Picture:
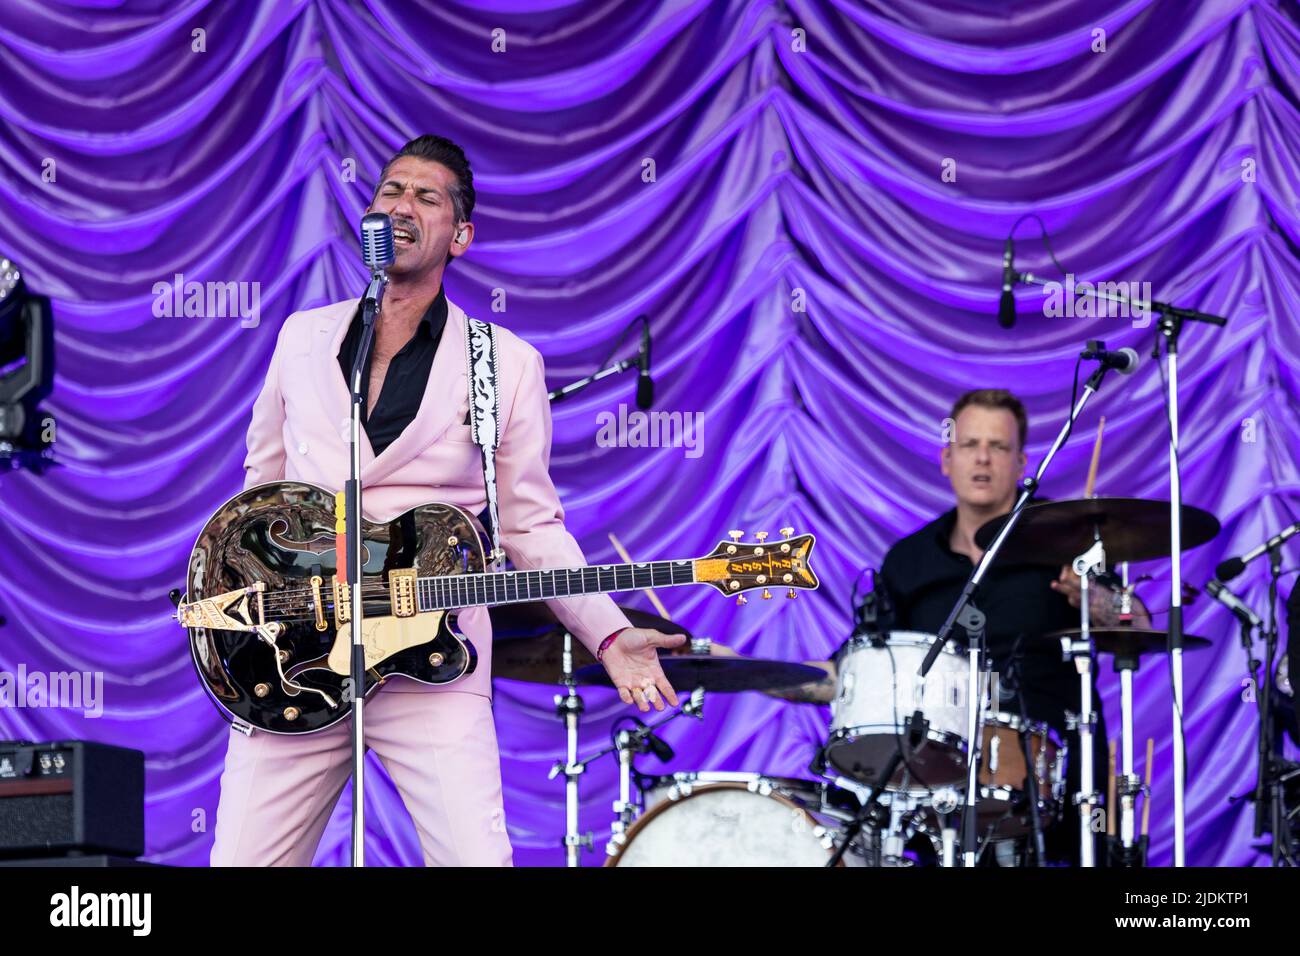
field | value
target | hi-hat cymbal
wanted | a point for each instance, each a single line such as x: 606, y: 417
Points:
x: 528, y: 641
x: 1131, y: 529
x: 1132, y: 641
x: 719, y: 674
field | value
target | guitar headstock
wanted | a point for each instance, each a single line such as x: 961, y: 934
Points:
x: 736, y: 566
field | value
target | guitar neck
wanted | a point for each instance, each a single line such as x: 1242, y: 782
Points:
x: 445, y: 592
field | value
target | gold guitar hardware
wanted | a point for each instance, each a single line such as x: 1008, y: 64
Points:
x: 317, y: 603
x: 401, y: 590
x: 342, y: 602
x: 231, y: 611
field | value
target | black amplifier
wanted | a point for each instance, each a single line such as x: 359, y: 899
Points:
x: 69, y: 797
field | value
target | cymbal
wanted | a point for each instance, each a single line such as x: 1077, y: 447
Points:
x: 528, y: 641
x: 1131, y: 529
x: 719, y: 674
x: 1132, y: 641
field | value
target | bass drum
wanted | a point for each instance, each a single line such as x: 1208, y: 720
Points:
x: 736, y: 819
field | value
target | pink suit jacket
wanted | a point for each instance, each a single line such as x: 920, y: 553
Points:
x: 300, y: 432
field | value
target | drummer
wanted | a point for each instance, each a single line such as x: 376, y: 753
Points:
x: 925, y: 572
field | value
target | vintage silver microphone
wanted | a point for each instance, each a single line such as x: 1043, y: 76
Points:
x: 378, y: 253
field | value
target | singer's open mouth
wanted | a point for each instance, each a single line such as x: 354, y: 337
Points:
x: 403, y: 235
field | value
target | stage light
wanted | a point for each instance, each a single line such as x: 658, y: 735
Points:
x: 26, y: 369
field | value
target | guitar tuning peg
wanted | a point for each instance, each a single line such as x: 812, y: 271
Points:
x: 790, y: 594
x: 735, y: 535
x: 767, y: 595
x: 786, y: 532
x: 761, y: 536
x: 741, y: 600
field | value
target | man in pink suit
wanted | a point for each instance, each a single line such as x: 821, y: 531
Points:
x: 437, y: 743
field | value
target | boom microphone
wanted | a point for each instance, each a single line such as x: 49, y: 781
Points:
x: 1123, y: 360
x: 1236, y: 605
x: 1007, y: 304
x: 645, y: 386
x: 1232, y: 567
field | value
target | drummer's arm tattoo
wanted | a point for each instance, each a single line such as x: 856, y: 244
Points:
x: 815, y: 692
x: 1106, y: 611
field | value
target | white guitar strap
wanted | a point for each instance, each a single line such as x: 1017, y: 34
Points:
x: 485, y: 417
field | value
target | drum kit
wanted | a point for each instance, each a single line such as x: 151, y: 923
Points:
x: 892, y: 773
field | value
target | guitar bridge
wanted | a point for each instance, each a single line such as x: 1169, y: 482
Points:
x: 342, y: 602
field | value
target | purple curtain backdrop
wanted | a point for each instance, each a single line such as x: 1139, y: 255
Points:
x: 820, y: 291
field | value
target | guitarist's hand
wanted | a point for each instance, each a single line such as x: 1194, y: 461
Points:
x: 632, y: 662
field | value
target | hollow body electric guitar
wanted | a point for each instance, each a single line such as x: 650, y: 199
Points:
x: 268, y: 614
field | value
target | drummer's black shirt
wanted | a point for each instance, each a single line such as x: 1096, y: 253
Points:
x: 924, y: 578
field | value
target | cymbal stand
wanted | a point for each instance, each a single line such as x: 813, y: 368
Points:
x: 627, y: 744
x: 1129, y: 784
x: 1080, y: 651
x: 569, y: 707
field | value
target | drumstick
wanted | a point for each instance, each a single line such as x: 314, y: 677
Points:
x: 1096, y: 460
x: 1110, y: 794
x: 654, y: 598
x: 1146, y: 800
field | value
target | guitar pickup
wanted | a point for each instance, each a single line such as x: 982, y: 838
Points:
x: 401, y: 591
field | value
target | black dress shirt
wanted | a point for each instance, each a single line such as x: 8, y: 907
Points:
x: 406, y: 379
x: 924, y: 578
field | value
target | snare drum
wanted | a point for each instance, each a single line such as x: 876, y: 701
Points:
x: 877, y: 690
x: 732, y: 819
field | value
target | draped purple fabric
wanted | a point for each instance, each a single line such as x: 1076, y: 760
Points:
x: 809, y: 199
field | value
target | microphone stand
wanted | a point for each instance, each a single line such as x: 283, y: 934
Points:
x: 560, y: 394
x: 572, y: 388
x: 1169, y: 327
x: 977, y: 575
x: 370, y: 308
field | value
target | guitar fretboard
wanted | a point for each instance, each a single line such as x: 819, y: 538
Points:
x: 509, y: 587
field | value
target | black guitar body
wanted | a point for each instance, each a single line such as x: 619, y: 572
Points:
x: 282, y: 535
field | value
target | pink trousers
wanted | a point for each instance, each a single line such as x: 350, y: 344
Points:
x: 440, y: 748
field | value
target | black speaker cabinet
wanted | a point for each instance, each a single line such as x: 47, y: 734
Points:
x: 70, y: 797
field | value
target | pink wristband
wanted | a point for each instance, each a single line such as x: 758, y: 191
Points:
x: 605, y: 644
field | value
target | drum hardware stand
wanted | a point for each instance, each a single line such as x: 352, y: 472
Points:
x: 1270, y: 805
x: 1032, y: 780
x: 870, y: 815
x: 1128, y: 850
x: 627, y: 744
x: 972, y: 621
x: 569, y: 707
x: 990, y: 555
x: 944, y: 801
x: 1080, y: 651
